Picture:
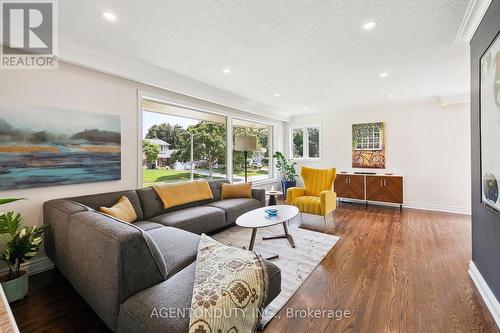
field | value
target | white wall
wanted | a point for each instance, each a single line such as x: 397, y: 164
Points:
x: 76, y: 88
x: 427, y: 143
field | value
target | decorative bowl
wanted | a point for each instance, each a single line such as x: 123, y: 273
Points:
x: 272, y: 212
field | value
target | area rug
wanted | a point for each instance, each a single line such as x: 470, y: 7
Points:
x: 296, y: 264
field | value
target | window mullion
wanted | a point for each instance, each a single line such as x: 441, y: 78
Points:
x: 229, y: 148
x: 305, y: 142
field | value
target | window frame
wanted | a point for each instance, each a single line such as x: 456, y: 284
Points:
x: 305, y: 144
x: 273, y: 139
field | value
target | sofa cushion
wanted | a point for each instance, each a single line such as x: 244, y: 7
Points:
x: 148, y: 310
x: 95, y: 201
x: 178, y: 247
x: 235, y: 207
x: 147, y: 225
x: 196, y: 219
x: 274, y: 285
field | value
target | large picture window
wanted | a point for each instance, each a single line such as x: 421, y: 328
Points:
x: 181, y: 144
x: 259, y: 160
x: 305, y: 143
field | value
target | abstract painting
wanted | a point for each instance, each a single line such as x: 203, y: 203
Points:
x: 368, y: 147
x: 490, y: 125
x: 43, y: 146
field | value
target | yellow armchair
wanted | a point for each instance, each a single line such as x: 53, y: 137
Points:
x: 317, y: 196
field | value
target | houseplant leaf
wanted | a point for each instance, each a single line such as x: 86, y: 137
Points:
x: 10, y: 223
x: 7, y: 200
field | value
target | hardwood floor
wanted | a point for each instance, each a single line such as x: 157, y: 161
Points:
x: 393, y: 272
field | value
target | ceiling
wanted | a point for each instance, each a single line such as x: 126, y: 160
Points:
x: 313, y: 53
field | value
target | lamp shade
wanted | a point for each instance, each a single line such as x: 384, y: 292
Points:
x: 245, y: 143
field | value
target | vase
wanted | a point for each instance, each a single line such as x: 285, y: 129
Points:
x: 17, y: 288
x: 285, y: 184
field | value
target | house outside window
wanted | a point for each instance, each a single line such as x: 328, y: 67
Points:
x: 171, y: 128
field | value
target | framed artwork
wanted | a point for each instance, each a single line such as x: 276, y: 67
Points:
x: 43, y: 146
x: 489, y: 109
x: 368, y: 147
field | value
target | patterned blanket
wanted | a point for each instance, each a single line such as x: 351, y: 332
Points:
x: 229, y: 289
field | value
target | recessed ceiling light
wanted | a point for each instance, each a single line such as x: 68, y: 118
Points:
x: 277, y: 95
x: 226, y: 71
x: 306, y: 108
x: 390, y: 96
x: 109, y: 16
x: 369, y: 25
x: 383, y: 74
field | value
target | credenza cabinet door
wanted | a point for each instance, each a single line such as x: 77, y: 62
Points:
x: 357, y: 186
x: 350, y: 186
x: 341, y: 186
x: 393, y: 189
x: 375, y: 188
x: 384, y: 189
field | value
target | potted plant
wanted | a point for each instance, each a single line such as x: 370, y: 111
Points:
x: 23, y: 243
x: 287, y: 171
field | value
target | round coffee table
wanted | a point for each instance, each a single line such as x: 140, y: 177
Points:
x: 257, y: 218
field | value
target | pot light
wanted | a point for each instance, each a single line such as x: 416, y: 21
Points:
x: 109, y: 16
x: 370, y: 25
x: 277, y: 95
x: 382, y: 75
x: 306, y: 108
x: 390, y: 96
x: 226, y: 71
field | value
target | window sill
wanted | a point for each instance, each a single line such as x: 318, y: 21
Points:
x: 307, y: 160
x: 265, y: 182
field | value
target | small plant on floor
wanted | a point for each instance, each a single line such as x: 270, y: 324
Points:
x: 287, y: 171
x: 23, y: 243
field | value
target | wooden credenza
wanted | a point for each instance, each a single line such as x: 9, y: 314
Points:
x: 378, y: 187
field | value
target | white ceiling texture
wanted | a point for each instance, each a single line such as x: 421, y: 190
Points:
x: 314, y: 54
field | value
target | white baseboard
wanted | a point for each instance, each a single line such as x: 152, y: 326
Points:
x: 33, y: 266
x: 421, y: 206
x: 438, y: 208
x: 486, y: 293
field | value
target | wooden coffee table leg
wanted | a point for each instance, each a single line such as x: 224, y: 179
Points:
x: 288, y: 236
x: 252, y: 240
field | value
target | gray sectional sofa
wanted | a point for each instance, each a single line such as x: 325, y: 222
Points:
x: 139, y: 277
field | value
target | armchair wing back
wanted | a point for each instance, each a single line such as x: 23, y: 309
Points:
x: 317, y: 180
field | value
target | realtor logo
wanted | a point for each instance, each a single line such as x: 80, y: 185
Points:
x: 29, y: 32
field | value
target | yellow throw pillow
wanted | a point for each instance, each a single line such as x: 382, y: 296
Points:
x: 121, y: 210
x: 183, y: 192
x: 236, y: 191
